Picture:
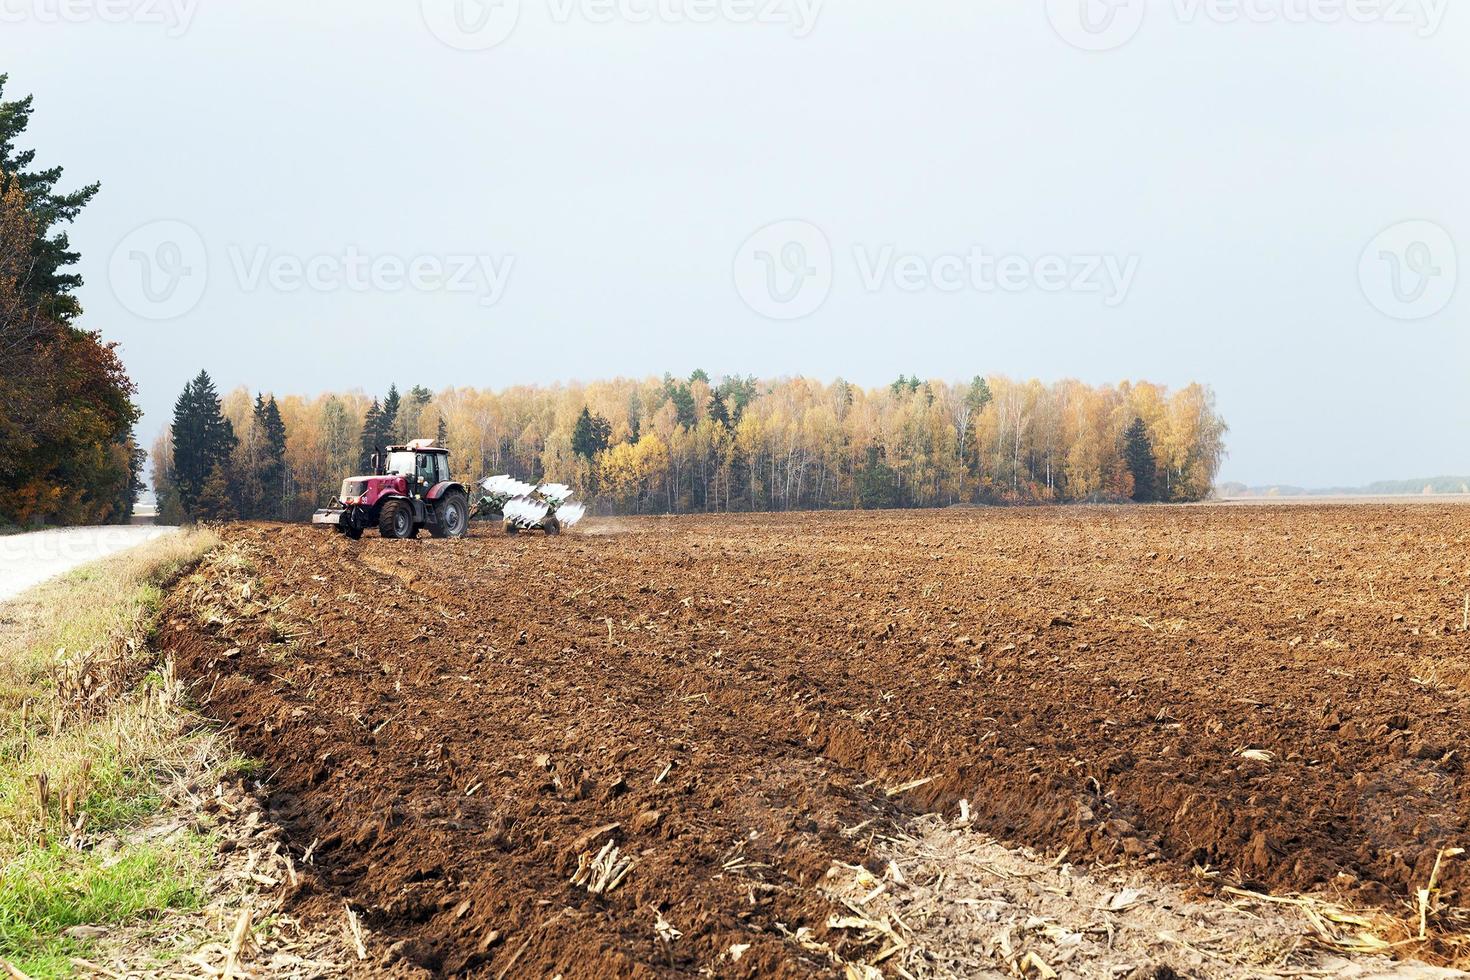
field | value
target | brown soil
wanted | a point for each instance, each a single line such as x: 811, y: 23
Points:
x: 726, y: 699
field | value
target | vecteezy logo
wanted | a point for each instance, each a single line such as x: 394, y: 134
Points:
x: 471, y: 25
x: 1409, y: 272
x: 1095, y: 25
x: 159, y: 271
x: 784, y: 270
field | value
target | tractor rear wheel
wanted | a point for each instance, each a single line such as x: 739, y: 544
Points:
x: 396, y: 520
x: 453, y: 512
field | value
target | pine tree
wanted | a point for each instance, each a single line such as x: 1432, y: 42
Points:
x: 271, y: 449
x: 635, y: 412
x: 48, y: 286
x: 978, y: 395
x: 876, y: 482
x: 67, y: 452
x: 213, y: 502
x: 202, y: 440
x: 441, y: 437
x: 717, y: 410
x: 737, y: 392
x: 583, y: 443
x: 372, y: 434
x: 1138, y: 453
x: 590, y: 435
x: 683, y: 400
x: 390, y: 419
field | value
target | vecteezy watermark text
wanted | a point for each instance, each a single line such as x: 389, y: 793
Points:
x: 478, y: 25
x: 978, y: 270
x: 786, y: 271
x: 800, y: 16
x: 1102, y: 25
x: 161, y: 270
x: 359, y: 272
x: 174, y: 16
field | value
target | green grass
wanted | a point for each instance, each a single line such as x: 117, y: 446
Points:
x: 51, y: 889
x: 115, y: 758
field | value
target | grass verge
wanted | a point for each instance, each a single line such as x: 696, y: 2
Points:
x: 93, y: 731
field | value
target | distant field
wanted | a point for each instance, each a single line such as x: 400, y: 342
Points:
x: 1353, y: 498
x: 1277, y: 694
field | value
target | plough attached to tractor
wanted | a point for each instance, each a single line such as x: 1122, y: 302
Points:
x: 525, y: 507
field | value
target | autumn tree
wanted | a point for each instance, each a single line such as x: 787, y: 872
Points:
x: 67, y: 452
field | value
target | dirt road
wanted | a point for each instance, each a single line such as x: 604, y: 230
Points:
x: 31, y: 558
x: 527, y: 752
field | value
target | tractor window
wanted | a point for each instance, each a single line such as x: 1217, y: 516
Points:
x: 400, y: 463
x: 431, y: 468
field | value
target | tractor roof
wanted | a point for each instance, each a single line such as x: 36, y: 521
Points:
x: 417, y: 449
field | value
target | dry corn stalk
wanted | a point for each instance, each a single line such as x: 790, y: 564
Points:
x: 664, y: 930
x: 355, y: 930
x: 1428, y: 896
x: 603, y: 873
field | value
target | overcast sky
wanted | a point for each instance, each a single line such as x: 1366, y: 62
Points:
x: 339, y: 193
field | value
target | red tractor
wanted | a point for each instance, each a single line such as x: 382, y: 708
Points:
x: 410, y: 489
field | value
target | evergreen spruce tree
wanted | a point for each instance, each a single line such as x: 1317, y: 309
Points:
x: 590, y: 435
x: 270, y: 433
x: 717, y: 410
x: 582, y: 438
x: 635, y: 413
x: 1138, y: 453
x: 683, y: 400
x: 876, y: 482
x: 372, y: 434
x: 390, y: 419
x: 47, y: 285
x: 441, y: 437
x: 202, y: 441
x: 213, y: 502
x: 67, y: 449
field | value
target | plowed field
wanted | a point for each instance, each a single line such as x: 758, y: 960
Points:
x: 1277, y: 694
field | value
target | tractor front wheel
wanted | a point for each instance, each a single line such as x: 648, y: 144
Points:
x: 396, y: 520
x: 551, y: 525
x: 512, y: 528
x: 350, y: 531
x: 453, y: 516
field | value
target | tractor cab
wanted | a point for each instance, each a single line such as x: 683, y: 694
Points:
x: 424, y: 467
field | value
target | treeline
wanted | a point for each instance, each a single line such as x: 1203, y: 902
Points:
x: 739, y: 444
x: 67, y: 454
